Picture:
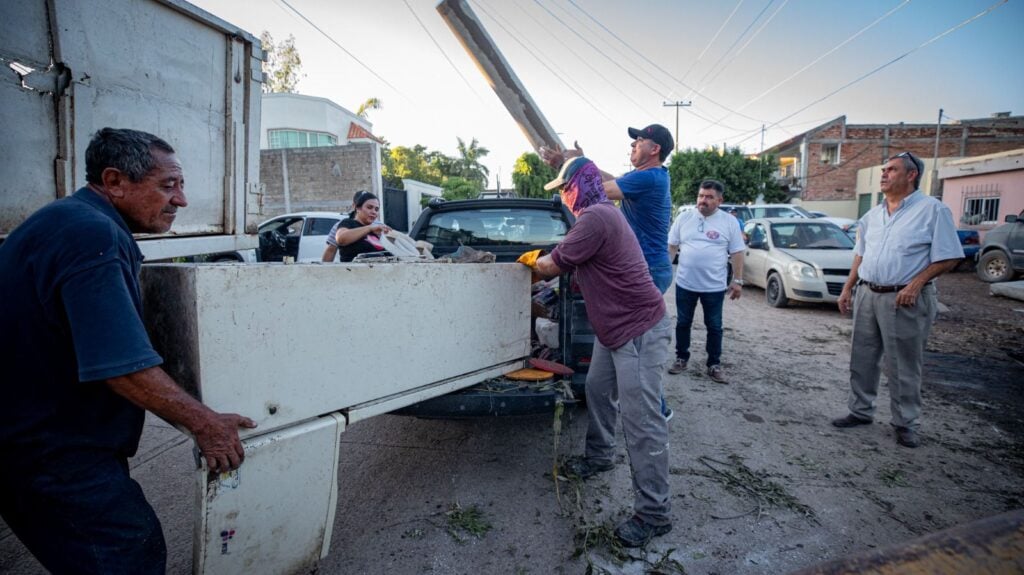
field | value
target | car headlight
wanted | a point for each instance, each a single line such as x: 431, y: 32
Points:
x: 802, y: 270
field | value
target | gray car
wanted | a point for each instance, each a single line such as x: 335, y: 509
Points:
x: 797, y: 259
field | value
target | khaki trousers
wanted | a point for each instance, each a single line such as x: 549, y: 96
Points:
x: 881, y: 331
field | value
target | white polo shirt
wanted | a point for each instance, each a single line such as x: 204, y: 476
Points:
x: 705, y: 245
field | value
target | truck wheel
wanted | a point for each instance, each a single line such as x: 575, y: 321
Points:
x: 226, y: 258
x: 775, y: 291
x: 994, y: 266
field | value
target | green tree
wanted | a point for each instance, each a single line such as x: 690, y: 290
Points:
x: 744, y: 177
x: 372, y: 103
x: 282, y: 65
x: 459, y: 188
x: 529, y: 175
x: 468, y: 163
x: 414, y: 163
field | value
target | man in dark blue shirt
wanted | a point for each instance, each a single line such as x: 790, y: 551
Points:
x: 77, y: 370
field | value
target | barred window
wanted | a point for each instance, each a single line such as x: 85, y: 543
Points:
x: 981, y: 205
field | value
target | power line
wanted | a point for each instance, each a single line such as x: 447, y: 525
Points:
x: 887, y: 64
x: 818, y: 59
x: 515, y: 36
x: 747, y: 43
x: 653, y: 64
x: 713, y: 38
x: 439, y: 49
x: 731, y: 46
x: 342, y: 48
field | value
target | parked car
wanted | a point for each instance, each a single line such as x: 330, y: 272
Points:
x: 301, y: 235
x: 508, y: 227
x: 797, y: 259
x: 1001, y: 255
x: 970, y: 241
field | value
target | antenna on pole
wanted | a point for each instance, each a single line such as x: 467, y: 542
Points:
x: 677, y: 105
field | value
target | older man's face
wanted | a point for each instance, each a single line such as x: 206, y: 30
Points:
x: 896, y: 178
x: 150, y: 205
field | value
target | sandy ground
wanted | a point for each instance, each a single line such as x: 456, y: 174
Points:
x: 761, y: 482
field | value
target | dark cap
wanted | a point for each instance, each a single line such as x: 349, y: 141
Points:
x: 659, y: 135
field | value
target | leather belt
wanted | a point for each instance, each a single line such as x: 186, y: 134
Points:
x: 885, y: 289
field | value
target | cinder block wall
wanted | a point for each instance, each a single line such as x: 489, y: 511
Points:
x: 319, y: 179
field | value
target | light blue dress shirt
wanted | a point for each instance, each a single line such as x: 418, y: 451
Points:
x: 896, y: 247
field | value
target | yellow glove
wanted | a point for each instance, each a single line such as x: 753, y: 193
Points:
x: 529, y: 259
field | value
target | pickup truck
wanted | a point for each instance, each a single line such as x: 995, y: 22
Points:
x: 508, y: 227
x: 1002, y: 253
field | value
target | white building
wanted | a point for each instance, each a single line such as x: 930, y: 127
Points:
x: 299, y: 121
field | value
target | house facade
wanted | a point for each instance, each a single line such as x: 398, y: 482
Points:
x: 982, y: 190
x: 820, y: 167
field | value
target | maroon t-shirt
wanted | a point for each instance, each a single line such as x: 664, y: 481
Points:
x: 622, y: 301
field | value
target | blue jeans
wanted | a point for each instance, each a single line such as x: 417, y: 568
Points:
x: 662, y: 276
x: 82, y: 513
x: 711, y: 303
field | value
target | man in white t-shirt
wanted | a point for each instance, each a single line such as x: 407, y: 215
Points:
x: 707, y: 240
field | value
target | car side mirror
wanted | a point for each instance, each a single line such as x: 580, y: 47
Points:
x: 1010, y: 219
x: 757, y: 244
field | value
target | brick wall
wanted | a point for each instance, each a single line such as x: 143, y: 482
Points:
x: 319, y: 179
x: 864, y: 146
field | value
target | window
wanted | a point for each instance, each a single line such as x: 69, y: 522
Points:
x: 319, y: 226
x: 981, y: 205
x: 830, y: 154
x: 512, y: 226
x: 299, y: 139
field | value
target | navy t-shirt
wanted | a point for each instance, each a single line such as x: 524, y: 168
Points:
x: 647, y: 205
x: 71, y: 318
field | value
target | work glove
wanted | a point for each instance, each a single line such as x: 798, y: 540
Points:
x: 529, y: 259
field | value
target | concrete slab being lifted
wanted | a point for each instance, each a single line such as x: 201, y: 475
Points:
x: 1013, y: 290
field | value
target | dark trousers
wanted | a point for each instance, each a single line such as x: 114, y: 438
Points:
x: 686, y: 304
x: 84, y: 515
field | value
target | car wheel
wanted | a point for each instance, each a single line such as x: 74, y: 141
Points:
x: 775, y: 292
x: 994, y: 266
x: 226, y: 258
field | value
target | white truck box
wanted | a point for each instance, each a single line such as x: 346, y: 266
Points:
x: 161, y: 66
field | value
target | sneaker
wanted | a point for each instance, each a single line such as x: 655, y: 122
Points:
x: 850, y: 420
x: 586, y: 467
x: 907, y: 437
x: 636, y: 532
x: 678, y: 367
x: 717, y: 374
x: 669, y: 414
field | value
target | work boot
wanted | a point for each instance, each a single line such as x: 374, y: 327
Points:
x: 907, y: 437
x: 850, y: 420
x: 586, y: 467
x: 679, y: 366
x: 636, y: 532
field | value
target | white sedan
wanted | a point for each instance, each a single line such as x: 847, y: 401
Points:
x: 797, y: 259
x: 302, y: 235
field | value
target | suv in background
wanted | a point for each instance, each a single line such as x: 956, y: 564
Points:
x: 1002, y: 253
x: 508, y: 227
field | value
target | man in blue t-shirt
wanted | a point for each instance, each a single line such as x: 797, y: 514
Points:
x: 645, y: 197
x: 77, y: 371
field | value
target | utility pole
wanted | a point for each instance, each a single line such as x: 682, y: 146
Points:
x: 677, y: 105
x: 760, y: 163
x: 936, y: 190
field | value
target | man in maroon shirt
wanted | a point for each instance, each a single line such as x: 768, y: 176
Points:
x: 633, y: 332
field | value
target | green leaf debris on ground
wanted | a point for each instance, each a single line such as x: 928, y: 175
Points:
x: 466, y: 522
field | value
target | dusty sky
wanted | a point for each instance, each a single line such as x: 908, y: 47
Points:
x: 595, y: 67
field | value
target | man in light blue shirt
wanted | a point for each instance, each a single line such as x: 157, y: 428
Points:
x: 904, y: 244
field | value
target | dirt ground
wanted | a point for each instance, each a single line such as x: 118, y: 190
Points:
x: 761, y: 482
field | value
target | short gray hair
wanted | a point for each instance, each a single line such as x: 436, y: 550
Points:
x: 911, y: 162
x: 129, y: 151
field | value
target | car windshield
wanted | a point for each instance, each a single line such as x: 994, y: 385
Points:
x: 810, y: 236
x: 495, y: 226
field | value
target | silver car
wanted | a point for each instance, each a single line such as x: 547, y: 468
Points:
x: 797, y: 259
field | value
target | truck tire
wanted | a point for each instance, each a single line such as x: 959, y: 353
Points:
x: 994, y: 266
x: 775, y: 291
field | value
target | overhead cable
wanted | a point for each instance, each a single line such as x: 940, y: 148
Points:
x: 443, y: 53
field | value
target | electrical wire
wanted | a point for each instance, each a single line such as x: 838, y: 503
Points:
x: 516, y: 36
x: 731, y: 46
x: 343, y: 49
x: 818, y: 59
x: 659, y: 68
x: 712, y: 40
x: 441, y: 50
x: 887, y: 64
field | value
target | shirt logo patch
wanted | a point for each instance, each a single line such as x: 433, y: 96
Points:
x: 712, y: 234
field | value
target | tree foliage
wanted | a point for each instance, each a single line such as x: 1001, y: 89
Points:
x: 282, y: 65
x: 372, y: 103
x: 529, y: 175
x: 744, y: 177
x: 460, y: 177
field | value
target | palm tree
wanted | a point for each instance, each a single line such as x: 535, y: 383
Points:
x: 469, y: 161
x: 372, y: 103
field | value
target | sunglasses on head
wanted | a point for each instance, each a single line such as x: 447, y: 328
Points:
x: 917, y: 163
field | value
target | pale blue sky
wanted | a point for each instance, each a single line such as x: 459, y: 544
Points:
x: 971, y: 72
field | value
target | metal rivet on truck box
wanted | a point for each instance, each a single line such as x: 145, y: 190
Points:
x: 272, y: 409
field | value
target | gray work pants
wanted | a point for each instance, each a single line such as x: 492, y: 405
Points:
x: 627, y: 380
x: 881, y: 330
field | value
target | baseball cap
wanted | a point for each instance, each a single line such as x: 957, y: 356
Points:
x: 659, y: 135
x: 568, y: 170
